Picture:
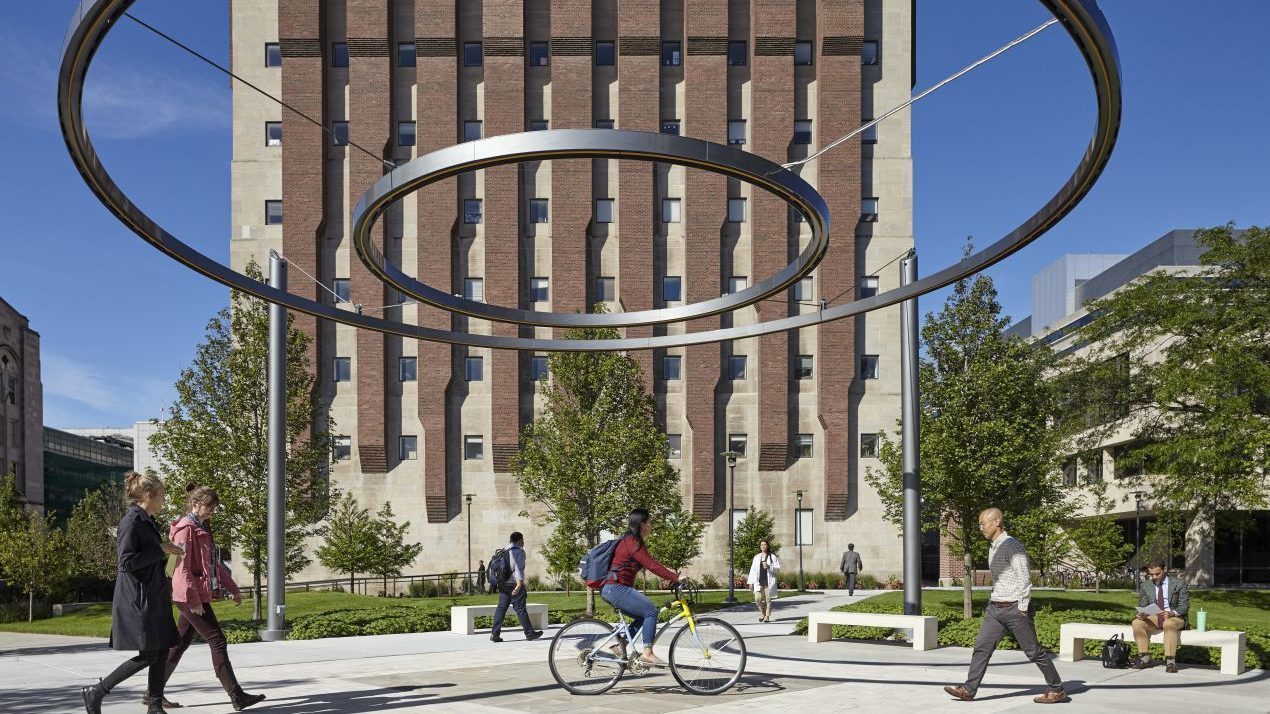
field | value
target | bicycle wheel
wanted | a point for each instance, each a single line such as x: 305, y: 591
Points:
x: 709, y: 660
x: 576, y: 664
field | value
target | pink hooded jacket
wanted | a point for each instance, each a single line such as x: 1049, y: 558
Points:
x: 192, y: 579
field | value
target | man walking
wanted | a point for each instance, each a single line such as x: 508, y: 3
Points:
x: 512, y: 592
x: 1008, y: 612
x: 850, y: 566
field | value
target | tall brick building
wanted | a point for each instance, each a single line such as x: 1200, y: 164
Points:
x: 422, y: 424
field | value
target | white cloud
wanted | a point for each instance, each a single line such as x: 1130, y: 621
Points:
x: 129, y: 396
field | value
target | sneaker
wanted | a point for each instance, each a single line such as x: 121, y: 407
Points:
x: 533, y: 635
x: 1141, y: 663
x: 959, y: 692
x: 1171, y: 668
x: 1052, y: 696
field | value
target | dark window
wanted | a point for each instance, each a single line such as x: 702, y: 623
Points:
x: 273, y: 213
x: 340, y: 287
x: 868, y: 286
x: 738, y: 53
x: 670, y: 126
x: 803, y: 446
x: 868, y: 446
x: 538, y: 368
x: 539, y: 54
x: 472, y: 54
x: 671, y: 54
x: 273, y: 133
x: 870, y: 135
x: 339, y: 133
x: 538, y: 125
x: 802, y: 132
x: 405, y: 133
x: 803, y: 53
x: 605, y: 289
x: 472, y: 210
x: 670, y: 367
x: 603, y: 124
x: 539, y: 289
x: 869, y: 52
x: 803, y: 367
x: 803, y: 291
x: 273, y: 54
x: 736, y: 132
x: 343, y: 369
x: 737, y: 443
x: 471, y: 130
x: 473, y: 447
x: 405, y: 54
x: 603, y: 210
x: 538, y: 211
x: 672, y: 288
x: 674, y: 446
x: 868, y: 366
x: 343, y: 448
x: 408, y: 369
x: 736, y: 210
x: 474, y: 369
x: 736, y: 367
x: 474, y: 289
x: 339, y: 54
x: 407, y: 448
x: 604, y: 54
x: 670, y: 210
x: 869, y: 209
x: 1069, y: 472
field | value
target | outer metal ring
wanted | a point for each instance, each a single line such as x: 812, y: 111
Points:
x: 1082, y: 19
x: 590, y: 144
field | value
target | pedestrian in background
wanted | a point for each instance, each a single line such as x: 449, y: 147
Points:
x: 762, y: 579
x: 513, y: 592
x: 850, y: 566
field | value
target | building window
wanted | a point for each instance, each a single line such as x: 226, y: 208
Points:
x: 1069, y: 472
x: 736, y: 443
x: 736, y: 210
x: 603, y: 210
x: 339, y: 54
x: 869, y: 52
x: 273, y: 213
x: 273, y: 54
x: 474, y: 289
x: 868, y: 446
x: 670, y: 210
x: 538, y: 289
x: 339, y: 133
x: 539, y: 54
x: 802, y: 132
x: 869, y: 209
x: 339, y: 286
x: 407, y: 369
x: 672, y: 288
x: 674, y: 446
x: 869, y: 135
x: 803, y: 366
x: 473, y: 447
x: 343, y: 369
x: 605, y: 55
x: 736, y: 367
x: 472, y: 54
x: 405, y: 133
x: 736, y: 132
x: 273, y: 133
x: 670, y: 367
x: 405, y: 54
x: 342, y: 448
x: 671, y: 53
x: 1093, y: 466
x: 471, y: 130
x: 868, y: 286
x: 868, y: 366
x: 737, y: 283
x: 472, y: 210
x: 803, y: 290
x: 805, y: 521
x: 803, y: 52
x: 474, y: 369
x: 538, y: 125
x: 407, y: 448
x: 539, y: 368
x: 738, y: 52
x: 802, y: 446
x: 605, y: 289
x: 670, y: 126
x: 538, y: 212
x: 603, y: 124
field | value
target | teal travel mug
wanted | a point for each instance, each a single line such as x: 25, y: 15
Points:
x: 1201, y: 620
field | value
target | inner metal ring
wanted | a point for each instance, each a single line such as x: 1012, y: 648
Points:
x: 590, y: 144
x: 1082, y: 19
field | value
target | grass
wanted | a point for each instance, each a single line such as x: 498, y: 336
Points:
x: 94, y: 621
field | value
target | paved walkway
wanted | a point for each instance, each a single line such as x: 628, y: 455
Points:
x: 442, y: 672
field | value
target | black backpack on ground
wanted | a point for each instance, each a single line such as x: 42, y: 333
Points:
x: 1115, y: 653
x: 499, y: 570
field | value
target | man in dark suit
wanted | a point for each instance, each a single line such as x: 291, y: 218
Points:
x: 1173, y: 599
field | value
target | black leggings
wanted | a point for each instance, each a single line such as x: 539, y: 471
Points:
x: 154, y: 659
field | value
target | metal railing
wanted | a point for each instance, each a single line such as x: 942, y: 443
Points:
x: 431, y: 585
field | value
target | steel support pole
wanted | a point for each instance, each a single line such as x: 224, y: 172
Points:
x: 731, y: 599
x: 910, y: 423
x: 276, y: 619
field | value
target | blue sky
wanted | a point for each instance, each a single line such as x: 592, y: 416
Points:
x: 118, y: 321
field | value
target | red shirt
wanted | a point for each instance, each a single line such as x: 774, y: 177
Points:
x: 630, y: 557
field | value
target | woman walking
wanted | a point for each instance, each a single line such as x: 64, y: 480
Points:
x: 198, y: 581
x: 141, y: 612
x: 762, y: 578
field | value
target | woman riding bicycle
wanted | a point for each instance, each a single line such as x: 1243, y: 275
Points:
x: 629, y: 558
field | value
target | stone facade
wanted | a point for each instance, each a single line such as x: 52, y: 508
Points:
x: 21, y: 405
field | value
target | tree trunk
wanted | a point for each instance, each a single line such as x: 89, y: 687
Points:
x: 255, y: 579
x: 590, y: 602
x: 1097, y: 582
x: 968, y: 580
x: 352, y: 584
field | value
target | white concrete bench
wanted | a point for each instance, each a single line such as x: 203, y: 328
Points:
x: 463, y: 617
x: 925, y: 629
x: 1072, y: 636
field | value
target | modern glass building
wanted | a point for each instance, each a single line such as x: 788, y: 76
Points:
x: 74, y: 465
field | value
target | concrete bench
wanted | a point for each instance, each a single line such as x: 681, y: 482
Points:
x: 925, y: 629
x: 463, y: 617
x: 1072, y: 636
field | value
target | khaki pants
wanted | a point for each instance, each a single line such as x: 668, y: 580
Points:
x: 1143, y: 630
x: 763, y: 601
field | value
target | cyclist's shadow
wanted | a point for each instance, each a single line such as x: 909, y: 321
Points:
x: 747, y: 684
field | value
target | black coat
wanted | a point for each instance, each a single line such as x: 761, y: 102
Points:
x: 141, y: 616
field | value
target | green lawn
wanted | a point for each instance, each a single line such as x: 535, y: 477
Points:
x: 94, y: 621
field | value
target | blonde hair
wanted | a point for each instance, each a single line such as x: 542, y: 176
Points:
x: 201, y: 496
x: 136, y: 485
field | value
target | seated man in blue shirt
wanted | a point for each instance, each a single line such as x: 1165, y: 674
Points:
x: 1173, y: 599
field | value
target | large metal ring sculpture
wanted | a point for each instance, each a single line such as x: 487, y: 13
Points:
x: 1082, y: 19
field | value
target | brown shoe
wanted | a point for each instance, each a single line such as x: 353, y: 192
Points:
x: 1052, y: 696
x: 959, y: 692
x: 1141, y: 663
x: 1171, y: 668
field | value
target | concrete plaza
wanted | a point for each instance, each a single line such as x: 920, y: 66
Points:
x: 440, y: 671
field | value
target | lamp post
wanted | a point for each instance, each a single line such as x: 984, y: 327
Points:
x: 1137, y: 536
x: 731, y: 456
x: 467, y: 497
x: 798, y: 537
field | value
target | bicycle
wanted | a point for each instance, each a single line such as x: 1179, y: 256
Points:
x: 707, y: 655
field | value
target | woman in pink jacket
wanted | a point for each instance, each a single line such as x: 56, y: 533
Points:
x: 199, y: 580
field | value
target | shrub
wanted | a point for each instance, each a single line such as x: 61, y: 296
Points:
x: 710, y: 582
x: 865, y: 581
x: 423, y: 588
x: 390, y: 620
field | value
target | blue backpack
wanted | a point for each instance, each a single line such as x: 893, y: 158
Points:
x: 596, y: 566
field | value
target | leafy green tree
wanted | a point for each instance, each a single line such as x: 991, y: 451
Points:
x: 352, y: 540
x: 987, y: 433
x: 12, y: 515
x: 216, y: 434
x: 1046, y: 534
x: 90, y: 531
x: 392, y: 552
x: 1100, y: 539
x: 595, y: 452
x: 36, y: 557
x: 676, y: 538
x: 563, y: 551
x: 755, y: 527
x: 1198, y: 385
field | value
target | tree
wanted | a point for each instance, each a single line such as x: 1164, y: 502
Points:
x: 754, y: 528
x: 987, y: 434
x: 596, y: 452
x: 676, y: 538
x: 1101, y: 540
x: 12, y: 515
x: 564, y: 551
x: 1045, y: 532
x: 36, y: 557
x: 216, y: 434
x: 392, y: 552
x: 90, y: 532
x: 1198, y: 379
x: 352, y: 539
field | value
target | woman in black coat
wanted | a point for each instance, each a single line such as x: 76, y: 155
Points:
x: 141, y: 613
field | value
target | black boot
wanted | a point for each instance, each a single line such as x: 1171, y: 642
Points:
x: 241, y: 700
x: 156, y: 707
x: 237, y: 697
x: 93, y: 694
x: 169, y: 668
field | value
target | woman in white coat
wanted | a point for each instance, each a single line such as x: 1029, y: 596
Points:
x: 762, y: 578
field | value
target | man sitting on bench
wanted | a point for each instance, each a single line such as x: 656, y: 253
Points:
x: 1167, y: 601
